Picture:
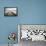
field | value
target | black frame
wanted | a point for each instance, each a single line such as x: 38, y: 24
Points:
x: 11, y: 7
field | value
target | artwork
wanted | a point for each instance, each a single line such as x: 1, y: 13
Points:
x: 10, y: 11
x: 33, y: 32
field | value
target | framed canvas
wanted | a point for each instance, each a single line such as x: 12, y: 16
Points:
x: 10, y: 11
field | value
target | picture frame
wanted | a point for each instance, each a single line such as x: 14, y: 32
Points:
x: 10, y: 11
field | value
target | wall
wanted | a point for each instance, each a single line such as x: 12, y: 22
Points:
x: 29, y: 12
